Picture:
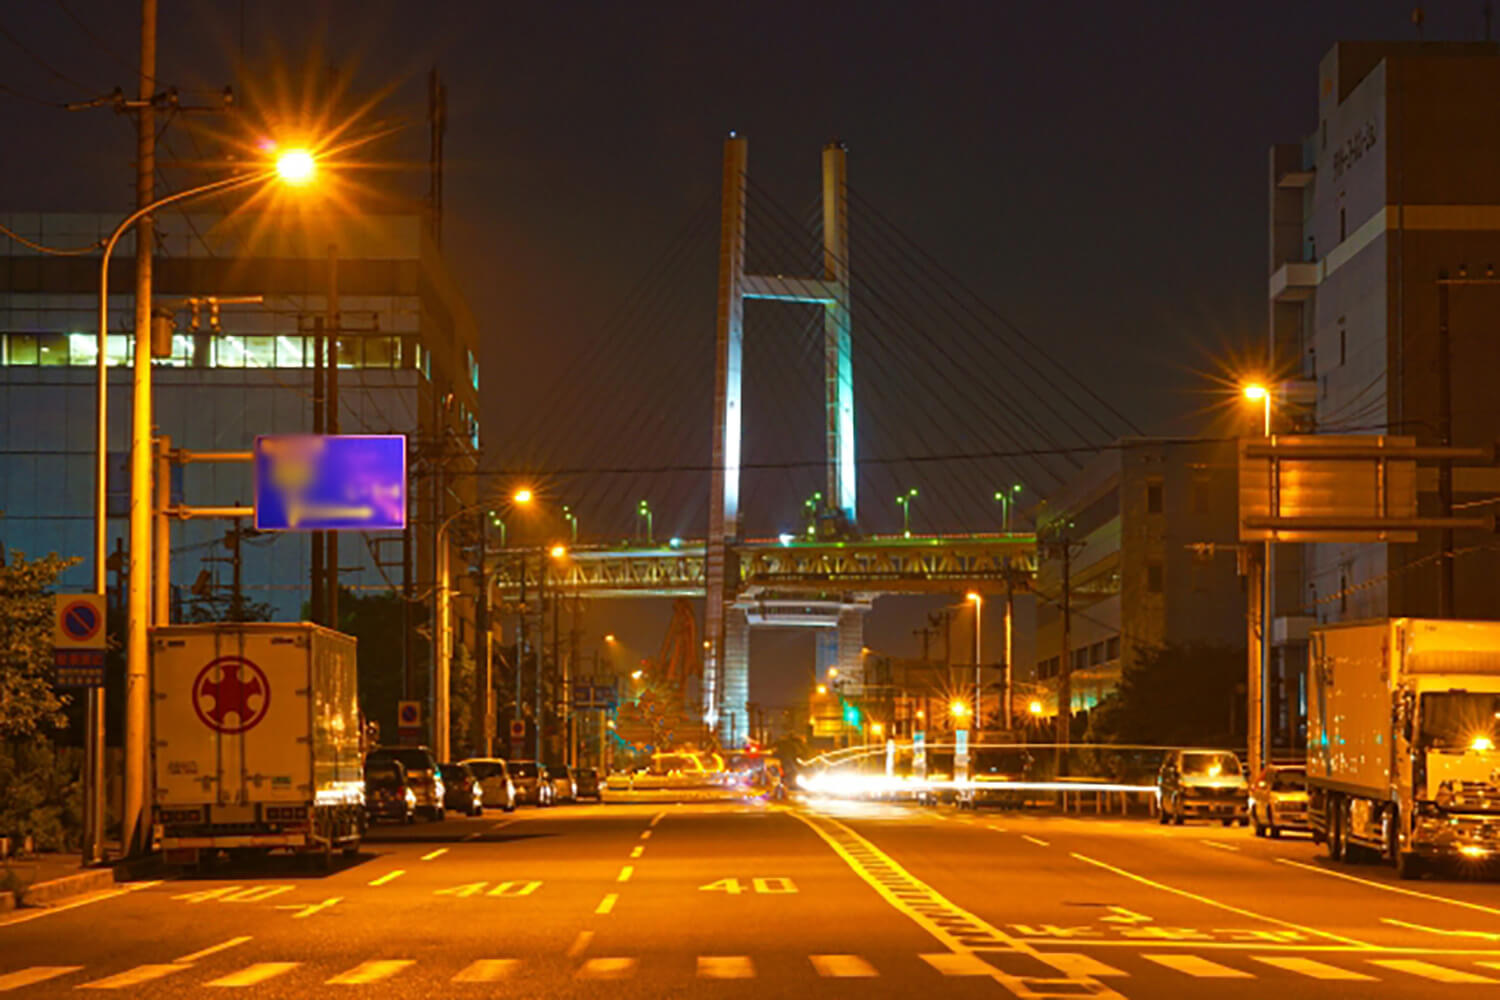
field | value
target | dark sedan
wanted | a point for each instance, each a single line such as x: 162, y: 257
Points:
x: 589, y: 786
x: 461, y: 789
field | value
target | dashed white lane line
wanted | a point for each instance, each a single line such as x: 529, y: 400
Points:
x: 434, y: 855
x: 1199, y: 968
x: 625, y: 873
x: 473, y: 836
x: 646, y: 835
x: 390, y: 876
x: 1314, y: 969
x: 370, y: 972
x: 133, y: 977
x: 307, y: 910
x: 488, y: 970
x: 637, y: 851
x: 35, y: 974
x: 607, y: 968
x: 1437, y: 973
x: 725, y: 967
x: 255, y: 974
x: 580, y: 944
x: 842, y: 966
x: 1036, y: 840
x: 1222, y: 847
x: 213, y: 949
x: 957, y: 964
x: 997, y: 829
x: 607, y: 903
x: 657, y: 818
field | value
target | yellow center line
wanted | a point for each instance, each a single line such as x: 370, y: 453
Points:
x: 388, y: 877
x: 607, y: 903
x: 432, y: 855
x: 1143, y: 880
x: 221, y: 946
x: 1391, y: 888
x: 625, y: 873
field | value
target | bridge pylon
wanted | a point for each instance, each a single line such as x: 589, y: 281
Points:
x: 726, y: 667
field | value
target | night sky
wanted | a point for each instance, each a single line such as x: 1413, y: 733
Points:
x: 1094, y: 171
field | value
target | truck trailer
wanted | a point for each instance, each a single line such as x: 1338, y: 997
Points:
x: 257, y: 741
x: 1403, y: 721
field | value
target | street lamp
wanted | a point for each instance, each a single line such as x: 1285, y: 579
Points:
x: 973, y: 598
x: 958, y: 708
x: 291, y: 164
x: 571, y: 518
x: 1035, y: 708
x: 1260, y: 749
x: 643, y: 510
x: 905, y: 501
x: 812, y: 505
x: 1006, y: 499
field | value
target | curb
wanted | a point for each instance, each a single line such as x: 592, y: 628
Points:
x: 43, y: 893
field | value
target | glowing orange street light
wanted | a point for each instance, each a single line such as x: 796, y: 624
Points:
x: 296, y: 166
x: 822, y: 689
x: 558, y: 551
x: 958, y: 708
x: 1035, y: 708
x: 610, y: 637
x: 523, y: 495
x: 1258, y: 393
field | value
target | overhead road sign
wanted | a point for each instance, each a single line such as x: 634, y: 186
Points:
x: 330, y: 482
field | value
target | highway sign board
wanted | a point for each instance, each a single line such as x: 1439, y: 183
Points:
x: 78, y: 640
x: 330, y: 482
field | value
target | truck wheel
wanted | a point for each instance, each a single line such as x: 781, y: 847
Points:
x: 1406, y: 863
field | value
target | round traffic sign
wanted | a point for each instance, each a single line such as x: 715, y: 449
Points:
x: 80, y: 621
x: 410, y: 714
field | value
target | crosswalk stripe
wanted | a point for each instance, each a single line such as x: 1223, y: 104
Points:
x: 257, y: 973
x: 842, y: 966
x: 34, y: 974
x: 488, y: 970
x: 1308, y: 967
x: 1200, y: 968
x: 1427, y: 970
x: 131, y: 977
x: 607, y: 968
x: 725, y: 967
x: 370, y: 972
x: 1076, y: 964
x: 955, y: 963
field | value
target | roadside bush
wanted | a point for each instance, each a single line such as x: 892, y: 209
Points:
x: 41, y: 793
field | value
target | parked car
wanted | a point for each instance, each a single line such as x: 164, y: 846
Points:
x: 421, y: 775
x: 387, y: 794
x: 564, y: 789
x: 461, y: 789
x: 1278, y: 800
x: 499, y: 792
x: 587, y: 785
x: 1207, y: 784
x: 531, y: 783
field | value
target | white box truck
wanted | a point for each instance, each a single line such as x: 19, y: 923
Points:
x: 1403, y: 721
x: 257, y: 742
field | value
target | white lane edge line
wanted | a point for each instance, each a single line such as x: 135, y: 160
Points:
x: 390, y: 876
x: 98, y: 897
x: 1035, y: 840
x: 1222, y: 847
x: 204, y: 953
x: 1390, y: 888
x: 433, y: 855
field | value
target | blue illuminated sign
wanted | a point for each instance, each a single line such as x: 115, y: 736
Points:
x: 348, y: 482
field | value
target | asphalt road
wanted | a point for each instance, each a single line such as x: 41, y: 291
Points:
x: 745, y: 899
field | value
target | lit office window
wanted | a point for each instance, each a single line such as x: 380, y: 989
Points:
x: 291, y: 353
x: 52, y: 349
x: 380, y: 352
x: 229, y: 352
x: 349, y: 353
x: 260, y: 352
x: 117, y: 349
x: 21, y: 349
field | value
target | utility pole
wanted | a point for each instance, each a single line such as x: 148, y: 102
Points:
x: 318, y: 590
x: 333, y: 327
x: 1008, y: 682
x: 483, y: 730
x: 134, y: 823
x: 1065, y: 664
x: 1446, y: 603
x: 541, y: 635
x: 520, y: 647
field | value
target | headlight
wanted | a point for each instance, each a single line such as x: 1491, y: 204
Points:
x: 411, y: 797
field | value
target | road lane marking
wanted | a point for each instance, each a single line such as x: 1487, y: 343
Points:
x: 251, y: 975
x: 370, y: 972
x: 580, y: 944
x: 1317, y: 970
x: 725, y: 967
x: 1121, y: 915
x: 625, y: 873
x: 433, y: 855
x: 607, y: 968
x: 1222, y: 847
x: 637, y: 851
x: 517, y: 887
x: 488, y: 970
x: 257, y: 893
x: 1391, y: 888
x: 1437, y: 973
x: 390, y: 876
x: 842, y: 966
x: 645, y: 834
x: 1198, y: 968
x: 221, y: 946
x: 473, y: 836
x: 1079, y: 964
x: 132, y: 977
x: 960, y: 931
x: 95, y: 897
x: 657, y: 818
x: 958, y: 964
x: 204, y: 895
x: 303, y: 912
x: 1035, y: 840
x: 997, y: 829
x: 607, y: 903
x: 1482, y: 935
x: 35, y: 974
x: 1223, y: 906
x: 462, y: 891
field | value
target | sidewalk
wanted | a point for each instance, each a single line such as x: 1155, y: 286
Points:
x: 41, y: 879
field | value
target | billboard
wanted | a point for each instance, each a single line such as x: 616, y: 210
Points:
x: 330, y: 482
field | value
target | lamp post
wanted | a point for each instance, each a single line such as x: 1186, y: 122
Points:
x: 643, y: 510
x: 904, y: 500
x: 572, y: 519
x: 1006, y: 499
x: 1260, y: 750
x: 975, y: 599
x: 293, y: 167
x: 812, y: 505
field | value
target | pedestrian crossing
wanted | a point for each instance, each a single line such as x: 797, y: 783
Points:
x: 1341, y: 967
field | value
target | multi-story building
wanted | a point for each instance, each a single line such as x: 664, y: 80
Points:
x: 1148, y: 530
x: 407, y: 363
x: 1384, y: 302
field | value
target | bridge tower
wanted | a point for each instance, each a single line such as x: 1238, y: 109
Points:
x: 726, y: 673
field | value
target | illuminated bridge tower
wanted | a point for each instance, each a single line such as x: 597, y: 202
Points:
x: 726, y: 675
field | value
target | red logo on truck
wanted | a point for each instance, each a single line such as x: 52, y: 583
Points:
x: 231, y: 694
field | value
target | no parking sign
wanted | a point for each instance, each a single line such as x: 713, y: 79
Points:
x: 78, y: 639
x: 408, y: 720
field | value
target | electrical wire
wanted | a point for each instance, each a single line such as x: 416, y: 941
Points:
x: 54, y: 251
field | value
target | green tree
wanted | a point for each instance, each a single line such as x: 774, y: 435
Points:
x: 28, y: 703
x: 376, y: 621
x: 1177, y: 695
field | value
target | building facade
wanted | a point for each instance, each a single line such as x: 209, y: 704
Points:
x: 1148, y: 532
